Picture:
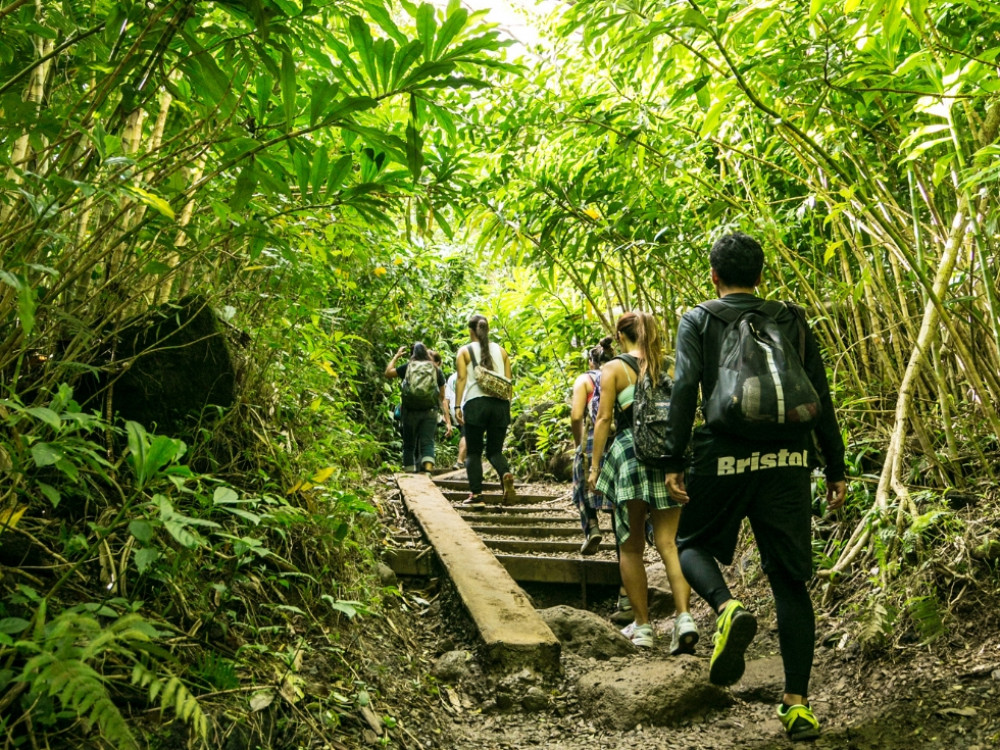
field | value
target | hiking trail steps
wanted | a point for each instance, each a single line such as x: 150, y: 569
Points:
x: 488, y: 548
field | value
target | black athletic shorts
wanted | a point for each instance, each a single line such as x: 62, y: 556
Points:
x: 771, y: 486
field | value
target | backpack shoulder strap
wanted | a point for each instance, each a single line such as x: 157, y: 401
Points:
x: 800, y: 316
x: 631, y: 363
x: 719, y: 309
x: 772, y: 308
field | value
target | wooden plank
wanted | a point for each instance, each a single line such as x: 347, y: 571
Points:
x: 532, y: 532
x: 514, y: 636
x: 412, y: 562
x: 528, y: 568
x: 514, y: 510
x: 496, y: 498
x: 506, y: 519
x: 522, y: 568
x: 539, y: 546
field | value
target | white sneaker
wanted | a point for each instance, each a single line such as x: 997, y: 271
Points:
x: 685, y: 635
x: 641, y: 635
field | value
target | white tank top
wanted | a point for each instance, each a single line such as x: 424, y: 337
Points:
x: 471, y: 386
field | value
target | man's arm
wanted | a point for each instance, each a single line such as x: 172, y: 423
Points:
x: 831, y: 443
x: 688, y: 370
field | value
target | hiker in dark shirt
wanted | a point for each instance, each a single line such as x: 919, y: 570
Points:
x: 419, y: 416
x: 730, y: 478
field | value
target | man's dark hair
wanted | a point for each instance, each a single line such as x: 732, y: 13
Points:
x: 738, y: 259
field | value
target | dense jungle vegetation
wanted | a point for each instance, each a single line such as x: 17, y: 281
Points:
x: 334, y: 179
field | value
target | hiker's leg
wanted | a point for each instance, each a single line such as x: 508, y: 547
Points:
x: 665, y: 534
x: 796, y: 633
x: 409, y: 441
x: 496, y: 433
x: 632, y: 566
x: 426, y: 428
x: 474, y: 439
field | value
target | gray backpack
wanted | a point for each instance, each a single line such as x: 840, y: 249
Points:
x: 419, y: 389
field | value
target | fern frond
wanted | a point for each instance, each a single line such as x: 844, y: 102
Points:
x: 78, y: 687
x: 926, y: 616
x: 60, y: 666
x: 173, y: 693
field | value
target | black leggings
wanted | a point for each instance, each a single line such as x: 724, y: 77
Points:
x: 796, y: 621
x: 486, y: 422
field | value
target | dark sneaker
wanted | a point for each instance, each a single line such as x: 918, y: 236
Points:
x: 735, y: 628
x: 509, y: 493
x: 798, y: 721
x: 473, y: 499
x: 593, y: 540
x: 685, y: 635
x: 623, y: 612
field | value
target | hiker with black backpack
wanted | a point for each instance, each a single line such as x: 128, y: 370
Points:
x: 422, y: 398
x: 764, y: 392
x: 636, y: 489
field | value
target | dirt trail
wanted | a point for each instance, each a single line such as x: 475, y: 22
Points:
x: 923, y: 697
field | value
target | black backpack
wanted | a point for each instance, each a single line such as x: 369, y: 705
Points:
x: 419, y: 390
x: 762, y: 391
x: 650, y: 411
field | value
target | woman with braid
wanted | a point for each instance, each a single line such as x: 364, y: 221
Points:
x: 635, y: 489
x: 486, y: 418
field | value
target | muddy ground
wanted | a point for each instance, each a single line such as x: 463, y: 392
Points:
x: 945, y: 694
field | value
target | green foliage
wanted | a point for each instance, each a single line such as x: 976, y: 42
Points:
x: 927, y: 617
x: 62, y: 662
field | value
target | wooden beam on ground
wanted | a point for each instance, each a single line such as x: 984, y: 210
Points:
x: 527, y: 568
x: 412, y: 562
x: 513, y: 634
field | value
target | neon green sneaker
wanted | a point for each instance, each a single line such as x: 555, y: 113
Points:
x: 798, y: 721
x: 735, y: 628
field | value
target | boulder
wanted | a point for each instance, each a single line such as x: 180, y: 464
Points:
x: 585, y: 633
x: 560, y: 466
x: 455, y: 666
x: 169, y: 364
x: 762, y: 682
x: 523, y: 435
x: 660, y: 692
x: 661, y: 599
